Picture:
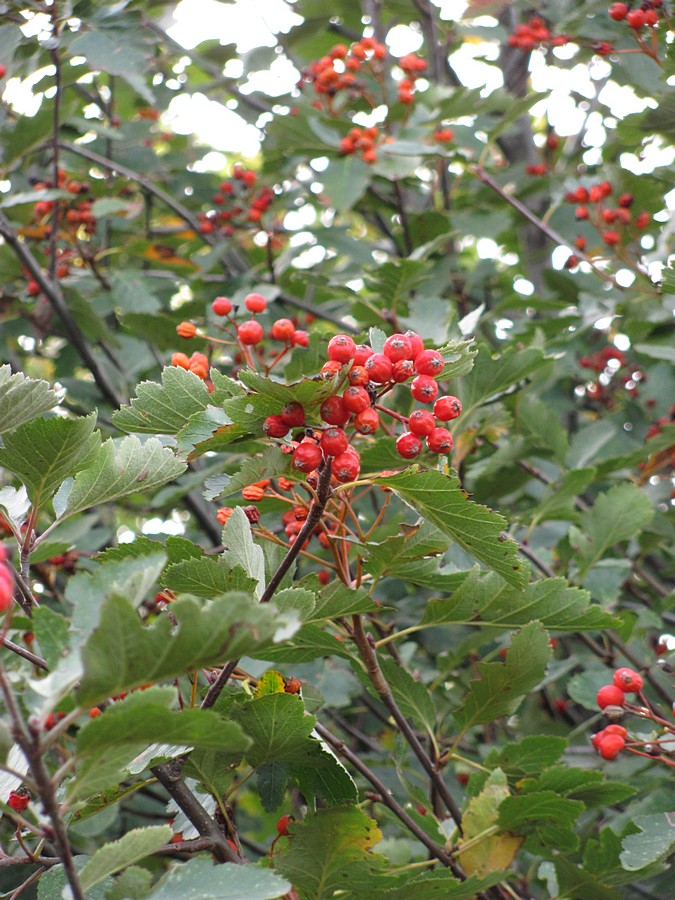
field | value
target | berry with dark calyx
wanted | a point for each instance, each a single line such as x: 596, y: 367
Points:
x: 333, y: 441
x: 292, y: 686
x: 402, y: 370
x: 416, y: 343
x: 421, y: 422
x: 397, y: 347
x: 447, y: 408
x: 334, y: 410
x: 367, y: 421
x: 275, y: 427
x: 255, y: 303
x: 283, y: 330
x: 611, y: 745
x: 429, y: 362
x: 629, y: 681
x: 356, y: 399
x: 222, y: 306
x: 440, y: 441
x: 363, y: 351
x: 424, y: 389
x: 379, y: 368
x: 250, y: 332
x: 331, y: 367
x: 408, y: 445
x: 358, y: 375
x: 19, y: 799
x: 307, y: 456
x: 610, y: 695
x: 293, y: 414
x: 346, y: 466
x: 282, y: 825
x: 341, y: 348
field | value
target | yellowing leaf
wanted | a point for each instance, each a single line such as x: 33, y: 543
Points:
x: 272, y: 682
x: 494, y: 852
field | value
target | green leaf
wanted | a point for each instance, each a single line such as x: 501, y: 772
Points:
x: 146, y: 717
x: 241, y: 550
x: 413, y: 697
x: 527, y: 757
x: 207, y: 576
x: 345, y: 181
x: 134, y: 846
x: 133, y: 884
x: 130, y: 290
x: 331, y: 851
x: 165, y: 408
x: 122, y: 653
x: 558, y: 501
x: 53, y: 884
x: 616, y: 515
x: 277, y: 725
x: 440, y: 884
x: 542, y: 427
x: 117, y: 472
x: 200, y: 879
x: 483, y: 599
x: 477, y: 529
x: 578, y: 784
x: 117, y: 56
x: 551, y: 817
x: 22, y: 399
x: 493, y: 376
x: 272, y: 781
x: 311, y: 642
x: 44, y: 452
x: 654, y: 842
x: 503, y: 685
x: 52, y: 632
x: 337, y: 599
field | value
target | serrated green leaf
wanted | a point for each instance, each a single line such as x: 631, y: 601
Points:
x: 115, y: 473
x: 53, y: 883
x: 164, y: 408
x: 273, y: 779
x: 483, y: 599
x: 344, y: 181
x: 207, y: 576
x: 134, y: 846
x: 492, y: 376
x: 527, y: 757
x: 122, y: 653
x: 147, y: 717
x: 654, y: 842
x: 578, y: 784
x: 277, y: 725
x: 503, y: 685
x: 332, y: 851
x: 241, y: 551
x: 22, y: 399
x: 133, y: 884
x: 413, y: 697
x: 200, y: 879
x: 311, y: 642
x: 440, y: 884
x: 53, y: 634
x: 477, y: 529
x: 616, y: 516
x: 558, y: 501
x: 544, y: 812
x: 44, y: 452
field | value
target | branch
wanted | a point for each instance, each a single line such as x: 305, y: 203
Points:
x: 21, y: 651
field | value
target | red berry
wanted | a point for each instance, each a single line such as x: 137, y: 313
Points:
x: 581, y: 212
x: 275, y: 427
x: 334, y: 411
x: 341, y: 348
x: 642, y: 220
x: 629, y: 681
x: 611, y: 746
x: 363, y: 351
x: 379, y: 368
x: 416, y: 343
x: 250, y: 332
x: 6, y: 588
x: 651, y: 17
x: 346, y: 466
x: 429, y: 362
x: 367, y: 421
x: 615, y: 729
x: 282, y: 825
x: 307, y: 456
x: 447, y: 408
x: 397, y: 347
x: 610, y: 695
x: 95, y: 712
x: 3, y: 71
x: 440, y: 441
x: 19, y: 799
x: 300, y: 338
x: 293, y: 414
x: 333, y: 441
x: 421, y: 422
x: 618, y: 11
x: 636, y: 19
x: 331, y: 367
x: 221, y: 306
x: 358, y: 376
x: 626, y: 200
x: 402, y: 370
x: 611, y: 237
x: 255, y: 303
x: 408, y: 445
x: 356, y: 399
x: 283, y: 330
x: 424, y: 389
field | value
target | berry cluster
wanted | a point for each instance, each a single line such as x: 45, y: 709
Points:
x: 643, y: 15
x: 337, y: 70
x: 244, y: 335
x: 591, y: 207
x: 6, y: 582
x: 242, y: 204
x: 363, y: 140
x: 532, y: 34
x: 413, y: 66
x: 612, y: 699
x: 616, y: 375
x: 662, y: 463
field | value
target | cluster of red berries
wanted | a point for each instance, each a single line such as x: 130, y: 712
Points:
x: 623, y: 224
x: 610, y: 741
x: 336, y: 71
x: 613, y: 379
x: 413, y: 66
x: 624, y: 681
x: 247, y: 334
x: 6, y: 582
x: 243, y: 206
x: 363, y: 140
x: 532, y: 34
x: 644, y: 14
x: 662, y: 462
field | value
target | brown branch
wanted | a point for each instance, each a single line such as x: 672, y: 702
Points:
x: 26, y: 654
